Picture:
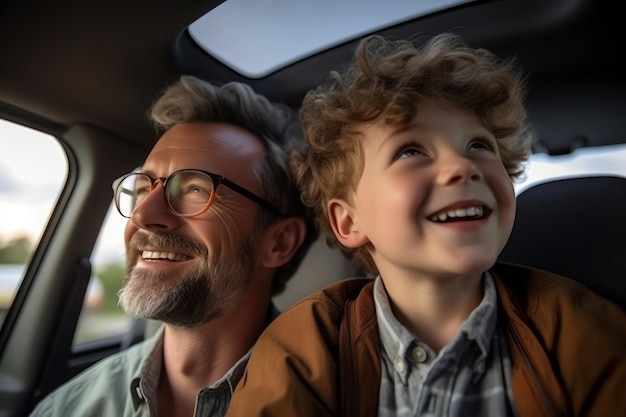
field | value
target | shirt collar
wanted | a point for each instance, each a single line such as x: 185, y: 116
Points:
x: 481, y: 323
x: 396, y: 339
x: 145, y: 381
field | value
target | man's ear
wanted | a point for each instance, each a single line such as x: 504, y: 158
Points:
x: 344, y: 224
x: 281, y: 240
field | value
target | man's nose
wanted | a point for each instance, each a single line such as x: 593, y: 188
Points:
x: 457, y: 168
x: 153, y: 212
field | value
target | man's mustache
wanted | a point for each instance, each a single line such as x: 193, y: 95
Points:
x: 169, y: 240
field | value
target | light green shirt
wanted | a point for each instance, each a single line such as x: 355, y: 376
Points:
x: 125, y: 384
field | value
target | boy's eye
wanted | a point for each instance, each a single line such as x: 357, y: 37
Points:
x: 481, y: 144
x: 410, y: 150
x: 408, y: 153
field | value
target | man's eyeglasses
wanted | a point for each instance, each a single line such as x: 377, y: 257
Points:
x: 188, y: 192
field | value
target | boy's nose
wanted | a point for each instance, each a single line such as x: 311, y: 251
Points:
x: 456, y: 168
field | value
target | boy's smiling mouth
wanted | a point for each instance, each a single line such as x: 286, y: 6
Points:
x: 474, y: 212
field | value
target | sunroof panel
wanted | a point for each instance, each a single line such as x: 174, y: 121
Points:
x: 258, y: 37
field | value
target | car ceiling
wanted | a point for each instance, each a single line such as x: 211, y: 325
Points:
x: 99, y: 63
x: 103, y: 63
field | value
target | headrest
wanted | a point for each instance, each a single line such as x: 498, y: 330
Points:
x: 574, y: 227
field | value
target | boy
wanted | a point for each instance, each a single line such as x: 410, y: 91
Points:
x: 410, y: 168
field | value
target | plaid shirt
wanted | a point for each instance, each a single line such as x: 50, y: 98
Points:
x: 469, y: 377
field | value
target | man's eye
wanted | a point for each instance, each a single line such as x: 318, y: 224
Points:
x: 142, y: 191
x: 197, y: 191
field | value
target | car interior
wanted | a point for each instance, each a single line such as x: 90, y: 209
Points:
x: 86, y: 73
x: 575, y: 218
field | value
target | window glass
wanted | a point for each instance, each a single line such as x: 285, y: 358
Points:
x: 600, y: 160
x: 108, y: 266
x: 33, y: 170
x: 238, y: 32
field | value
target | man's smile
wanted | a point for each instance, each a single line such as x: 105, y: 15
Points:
x: 170, y: 256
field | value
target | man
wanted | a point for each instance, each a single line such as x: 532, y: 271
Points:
x: 215, y: 228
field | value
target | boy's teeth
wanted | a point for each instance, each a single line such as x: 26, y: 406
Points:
x: 458, y: 213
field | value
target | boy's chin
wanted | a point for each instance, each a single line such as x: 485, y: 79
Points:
x: 471, y: 265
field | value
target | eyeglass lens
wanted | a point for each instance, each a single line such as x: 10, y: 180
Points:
x: 187, y: 192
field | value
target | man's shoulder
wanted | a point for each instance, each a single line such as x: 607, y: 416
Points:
x: 110, y: 377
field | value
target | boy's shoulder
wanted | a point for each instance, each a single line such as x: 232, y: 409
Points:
x: 337, y: 294
x: 542, y: 296
x: 326, y: 307
x: 532, y: 284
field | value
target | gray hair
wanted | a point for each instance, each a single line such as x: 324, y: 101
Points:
x: 191, y: 99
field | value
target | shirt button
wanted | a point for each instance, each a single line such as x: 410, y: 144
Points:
x: 399, y: 365
x: 419, y: 354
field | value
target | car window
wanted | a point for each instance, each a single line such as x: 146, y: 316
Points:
x: 219, y: 31
x: 599, y: 160
x: 33, y: 171
x: 108, y: 260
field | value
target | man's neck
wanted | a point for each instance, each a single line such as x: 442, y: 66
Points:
x: 196, y: 358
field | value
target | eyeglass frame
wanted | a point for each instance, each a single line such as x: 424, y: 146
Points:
x: 215, y: 178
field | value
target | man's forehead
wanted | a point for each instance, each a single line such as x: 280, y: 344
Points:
x: 207, y: 137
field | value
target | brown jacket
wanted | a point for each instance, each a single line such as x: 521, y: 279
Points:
x: 321, y: 356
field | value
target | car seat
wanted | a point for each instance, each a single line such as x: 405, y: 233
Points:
x: 575, y: 227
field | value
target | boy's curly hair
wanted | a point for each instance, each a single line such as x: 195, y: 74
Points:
x: 387, y: 80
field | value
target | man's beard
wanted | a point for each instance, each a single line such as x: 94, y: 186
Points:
x: 201, y: 294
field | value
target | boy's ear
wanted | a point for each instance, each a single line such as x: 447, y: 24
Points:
x: 281, y: 240
x: 344, y: 225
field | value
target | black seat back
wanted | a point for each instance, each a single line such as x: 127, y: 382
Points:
x: 574, y: 227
